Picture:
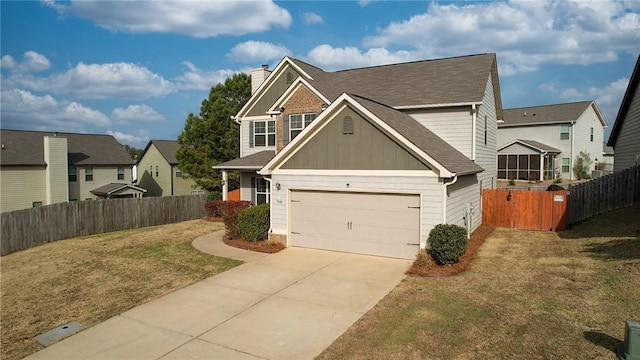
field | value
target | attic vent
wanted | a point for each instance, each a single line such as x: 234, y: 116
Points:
x: 347, y: 125
x: 289, y: 78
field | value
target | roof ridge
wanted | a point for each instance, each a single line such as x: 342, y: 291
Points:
x: 58, y: 132
x: 549, y: 105
x: 412, y: 62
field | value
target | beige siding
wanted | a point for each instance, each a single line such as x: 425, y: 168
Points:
x: 156, y: 185
x: 102, y: 175
x: 366, y: 149
x: 21, y: 186
x: 272, y: 94
x: 55, y: 155
x: 461, y: 198
x: 182, y: 186
x: 627, y: 146
x: 429, y: 188
x: 453, y: 125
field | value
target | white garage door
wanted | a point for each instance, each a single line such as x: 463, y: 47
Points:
x: 363, y: 223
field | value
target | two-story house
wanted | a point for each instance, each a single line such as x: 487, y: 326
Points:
x: 42, y: 168
x: 625, y: 135
x: 158, y: 171
x: 369, y: 160
x: 543, y: 142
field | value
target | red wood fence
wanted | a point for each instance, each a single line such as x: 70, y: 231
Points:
x: 525, y: 210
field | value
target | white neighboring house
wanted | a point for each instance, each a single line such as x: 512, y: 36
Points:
x: 543, y: 142
x: 369, y: 160
x: 625, y: 135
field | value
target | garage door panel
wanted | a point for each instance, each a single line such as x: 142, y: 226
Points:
x: 365, y: 223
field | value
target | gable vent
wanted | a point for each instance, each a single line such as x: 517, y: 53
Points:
x: 289, y: 78
x: 347, y: 125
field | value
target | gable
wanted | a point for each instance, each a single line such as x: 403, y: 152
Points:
x: 367, y: 148
x: 275, y: 90
x: 517, y: 148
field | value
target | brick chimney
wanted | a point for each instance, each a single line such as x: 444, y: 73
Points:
x: 258, y: 76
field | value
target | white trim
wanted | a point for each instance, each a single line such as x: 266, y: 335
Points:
x: 257, y: 118
x: 291, y: 90
x: 521, y: 142
x: 321, y: 121
x: 430, y: 106
x: 374, y: 173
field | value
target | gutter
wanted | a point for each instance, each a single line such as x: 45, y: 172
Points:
x: 268, y: 179
x: 445, y: 185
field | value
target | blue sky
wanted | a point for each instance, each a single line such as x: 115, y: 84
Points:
x: 137, y: 69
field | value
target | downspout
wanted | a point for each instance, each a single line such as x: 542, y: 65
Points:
x: 573, y: 123
x: 445, y: 185
x: 473, y: 132
x: 172, y: 173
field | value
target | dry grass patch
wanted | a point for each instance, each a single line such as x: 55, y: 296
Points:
x: 93, y: 278
x: 529, y: 295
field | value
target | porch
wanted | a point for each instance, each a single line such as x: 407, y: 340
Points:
x: 527, y: 160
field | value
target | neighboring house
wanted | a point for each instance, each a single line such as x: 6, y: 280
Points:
x: 158, y: 171
x: 608, y: 157
x: 542, y: 142
x: 625, y: 136
x: 369, y: 160
x: 42, y: 168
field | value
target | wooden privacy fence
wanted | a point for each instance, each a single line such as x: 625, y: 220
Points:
x: 525, y: 210
x: 618, y: 190
x: 234, y: 195
x: 23, y: 229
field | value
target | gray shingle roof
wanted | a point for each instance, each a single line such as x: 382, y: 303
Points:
x: 114, y: 187
x: 167, y: 148
x: 21, y: 147
x: 534, y: 144
x: 544, y: 114
x: 251, y: 162
x: 440, y: 150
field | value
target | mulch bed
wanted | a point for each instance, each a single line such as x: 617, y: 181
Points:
x: 473, y: 246
x: 263, y: 246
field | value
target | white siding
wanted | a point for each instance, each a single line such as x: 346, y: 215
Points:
x: 460, y: 196
x: 245, y: 150
x: 582, y: 142
x: 486, y: 153
x: 453, y: 125
x: 21, y: 186
x: 245, y: 186
x: 517, y: 149
x: 627, y: 146
x: 429, y: 188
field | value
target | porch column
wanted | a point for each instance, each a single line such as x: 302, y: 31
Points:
x: 542, y: 169
x: 225, y: 185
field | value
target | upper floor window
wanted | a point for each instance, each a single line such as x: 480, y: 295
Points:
x: 73, y: 174
x: 264, y: 133
x: 156, y: 170
x: 564, y: 132
x: 120, y: 173
x: 298, y: 122
x: 88, y: 173
x: 178, y: 173
x: 591, y: 134
x: 485, y: 129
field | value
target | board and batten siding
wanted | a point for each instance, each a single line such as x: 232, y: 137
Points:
x: 582, y: 140
x: 366, y: 148
x: 461, y: 197
x: 429, y: 188
x: 275, y: 90
x: 453, y: 125
x: 21, y: 186
x: 486, y: 153
x: 627, y: 146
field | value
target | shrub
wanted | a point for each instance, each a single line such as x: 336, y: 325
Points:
x: 512, y: 182
x: 214, y: 208
x: 253, y: 223
x: 557, y: 180
x: 448, y: 243
x: 230, y: 213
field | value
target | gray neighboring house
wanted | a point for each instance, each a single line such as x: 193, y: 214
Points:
x: 542, y: 142
x: 41, y: 168
x: 369, y: 160
x: 625, y: 135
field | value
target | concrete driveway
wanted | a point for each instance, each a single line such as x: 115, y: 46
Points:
x: 289, y: 305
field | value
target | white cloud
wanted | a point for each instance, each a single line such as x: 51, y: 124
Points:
x: 136, y: 113
x: 364, y: 2
x: 257, y: 51
x: 200, y: 19
x: 549, y: 87
x: 525, y: 34
x: 198, y: 79
x: 330, y: 58
x: 22, y: 109
x: 607, y: 98
x: 312, y: 18
x: 32, y: 62
x: 98, y: 81
x: 138, y: 140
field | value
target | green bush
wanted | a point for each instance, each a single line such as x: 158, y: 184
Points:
x: 448, y: 243
x: 253, y: 223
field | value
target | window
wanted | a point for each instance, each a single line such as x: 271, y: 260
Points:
x: 197, y: 192
x: 591, y: 134
x: 178, y: 173
x: 120, y: 173
x: 88, y: 173
x: 564, y: 132
x: 151, y: 170
x: 156, y: 170
x: 36, y: 204
x: 566, y: 165
x: 73, y: 174
x: 262, y: 194
x: 298, y: 122
x: 485, y: 129
x: 264, y: 133
x: 519, y: 167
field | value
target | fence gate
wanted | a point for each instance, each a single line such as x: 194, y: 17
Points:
x: 525, y: 210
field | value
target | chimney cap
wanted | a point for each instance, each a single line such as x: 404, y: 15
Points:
x: 265, y: 66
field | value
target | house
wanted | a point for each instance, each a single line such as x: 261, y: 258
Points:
x: 542, y: 142
x: 42, y: 168
x: 625, y: 135
x: 608, y: 156
x: 158, y: 171
x: 369, y: 160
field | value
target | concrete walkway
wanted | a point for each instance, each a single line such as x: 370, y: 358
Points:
x: 289, y: 305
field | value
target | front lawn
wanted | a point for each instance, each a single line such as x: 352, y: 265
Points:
x: 91, y: 279
x: 530, y: 295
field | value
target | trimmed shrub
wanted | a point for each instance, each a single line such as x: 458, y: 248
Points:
x: 448, y: 243
x: 214, y: 208
x: 230, y: 213
x: 253, y: 223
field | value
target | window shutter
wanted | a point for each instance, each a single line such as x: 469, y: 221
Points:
x: 285, y: 127
x: 254, y: 184
x: 250, y: 134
